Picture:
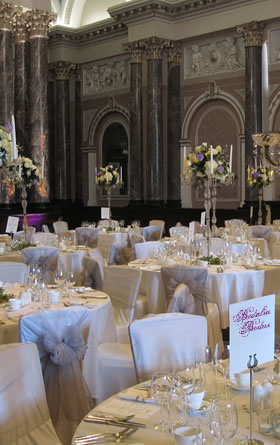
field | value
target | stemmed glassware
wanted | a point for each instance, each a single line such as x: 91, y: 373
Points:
x: 160, y: 390
x: 70, y: 279
x: 60, y: 278
x: 221, y: 358
x: 224, y: 419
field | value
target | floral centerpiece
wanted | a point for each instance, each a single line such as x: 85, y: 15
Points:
x: 201, y: 164
x: 108, y: 177
x: 5, y: 146
x: 260, y: 176
x: 22, y: 171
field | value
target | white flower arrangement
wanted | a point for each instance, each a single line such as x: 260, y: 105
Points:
x: 22, y: 171
x: 5, y: 146
x: 108, y: 177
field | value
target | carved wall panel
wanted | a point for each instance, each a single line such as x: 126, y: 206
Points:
x: 274, y: 46
x: 215, y: 57
x: 107, y: 77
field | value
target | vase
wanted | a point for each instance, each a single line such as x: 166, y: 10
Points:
x: 260, y: 198
x: 207, y: 206
x: 24, y: 207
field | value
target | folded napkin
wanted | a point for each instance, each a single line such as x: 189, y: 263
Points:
x: 136, y: 395
x: 272, y: 262
x: 81, y: 290
x: 79, y: 303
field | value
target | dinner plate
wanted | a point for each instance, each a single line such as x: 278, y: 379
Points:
x: 205, y: 407
x: 233, y: 385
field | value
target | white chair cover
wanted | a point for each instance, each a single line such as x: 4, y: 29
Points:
x: 87, y: 236
x: 185, y: 288
x: 46, y: 257
x: 61, y: 337
x: 97, y: 255
x: 13, y: 272
x: 45, y: 228
x: 274, y: 245
x: 24, y: 413
x: 234, y: 222
x: 178, y: 231
x: 158, y: 222
x: 262, y: 232
x: 198, y: 228
x: 147, y: 249
x: 120, y: 253
x: 165, y: 342
x: 60, y: 226
x: 151, y: 233
x: 19, y: 236
x: 72, y: 262
x: 43, y: 238
x: 134, y: 237
x: 216, y: 244
x: 122, y: 284
x: 5, y: 238
x: 93, y: 273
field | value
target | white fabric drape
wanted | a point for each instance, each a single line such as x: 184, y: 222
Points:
x: 166, y: 341
x: 24, y: 414
x: 158, y: 222
x: 152, y: 233
x: 147, y: 249
x: 93, y: 273
x: 46, y: 257
x: 87, y: 236
x: 60, y: 226
x: 43, y: 237
x: 61, y: 337
x: 19, y: 236
x: 11, y: 272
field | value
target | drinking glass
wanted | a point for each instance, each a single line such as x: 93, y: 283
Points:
x: 70, y: 279
x: 224, y: 419
x: 221, y: 358
x: 160, y: 390
x: 186, y: 380
x: 60, y: 278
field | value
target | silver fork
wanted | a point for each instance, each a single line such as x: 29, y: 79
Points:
x: 100, y: 437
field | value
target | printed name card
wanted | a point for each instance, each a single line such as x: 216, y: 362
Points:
x: 105, y: 213
x: 252, y: 331
x: 202, y: 218
x: 191, y: 231
x: 12, y: 224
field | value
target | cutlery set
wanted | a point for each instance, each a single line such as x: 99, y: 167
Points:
x: 101, y: 437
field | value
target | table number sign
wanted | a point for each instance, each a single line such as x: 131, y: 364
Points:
x: 252, y: 331
x: 202, y: 218
x: 12, y: 224
x: 105, y: 213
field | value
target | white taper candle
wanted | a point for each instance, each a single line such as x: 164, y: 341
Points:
x: 14, y: 142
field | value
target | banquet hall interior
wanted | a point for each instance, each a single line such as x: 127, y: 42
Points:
x: 139, y: 206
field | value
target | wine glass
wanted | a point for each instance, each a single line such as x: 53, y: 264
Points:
x: 60, y: 278
x: 221, y: 358
x: 224, y: 419
x: 70, y: 279
x: 160, y: 390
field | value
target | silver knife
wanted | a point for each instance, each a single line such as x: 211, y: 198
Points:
x: 114, y: 422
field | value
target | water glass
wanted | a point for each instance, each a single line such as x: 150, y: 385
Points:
x: 161, y: 385
x: 265, y: 421
x: 275, y: 420
x: 224, y: 419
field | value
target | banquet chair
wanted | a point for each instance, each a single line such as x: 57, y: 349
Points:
x: 147, y: 249
x: 19, y: 236
x: 122, y: 284
x: 87, y: 236
x: 11, y: 272
x: 234, y: 222
x: 94, y: 274
x: 166, y: 342
x: 262, y: 232
x: 134, y: 237
x: 61, y: 338
x: 60, y: 226
x: 152, y: 233
x: 45, y: 228
x: 73, y: 262
x: 119, y: 254
x: 5, y: 238
x: 158, y: 222
x: 43, y: 238
x: 178, y: 231
x: 216, y: 244
x: 198, y: 228
x: 185, y: 289
x: 25, y: 417
x: 45, y: 257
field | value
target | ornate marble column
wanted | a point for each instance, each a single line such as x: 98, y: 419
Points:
x: 62, y: 174
x: 51, y: 120
x: 136, y: 123
x: 78, y: 137
x: 173, y: 124
x: 22, y: 61
x: 253, y: 39
x: 154, y: 49
x: 38, y: 116
x: 7, y: 12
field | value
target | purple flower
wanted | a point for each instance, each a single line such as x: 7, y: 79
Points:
x: 220, y: 169
x: 114, y: 186
x: 199, y: 156
x: 8, y: 127
x: 97, y: 174
x: 255, y: 174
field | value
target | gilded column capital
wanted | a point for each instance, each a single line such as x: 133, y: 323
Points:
x: 62, y: 69
x: 21, y: 27
x: 252, y: 33
x: 136, y: 50
x: 7, y: 13
x: 154, y: 47
x: 173, y: 51
x: 39, y: 22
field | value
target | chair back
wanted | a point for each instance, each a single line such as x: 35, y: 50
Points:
x: 61, y: 338
x: 122, y: 284
x: 152, y: 233
x: 87, y: 236
x: 45, y: 228
x: 120, y: 253
x: 94, y: 274
x: 25, y: 416
x: 147, y: 249
x: 19, y: 236
x: 60, y: 226
x: 46, y: 257
x: 43, y: 238
x: 13, y: 272
x: 134, y: 237
x: 166, y: 342
x: 158, y: 222
x: 194, y: 295
x: 261, y: 232
x: 178, y: 231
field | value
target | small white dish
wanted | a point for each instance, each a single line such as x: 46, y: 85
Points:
x: 185, y: 435
x: 204, y: 408
x: 234, y: 385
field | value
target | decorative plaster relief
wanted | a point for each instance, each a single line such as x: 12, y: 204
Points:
x: 88, y: 116
x: 187, y: 100
x: 274, y: 46
x: 113, y: 75
x: 215, y: 57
